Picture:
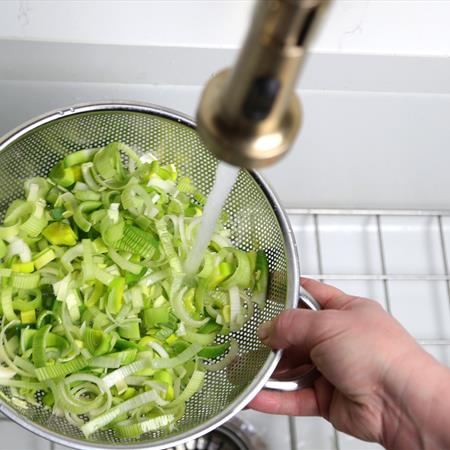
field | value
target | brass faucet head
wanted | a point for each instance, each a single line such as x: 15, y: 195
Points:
x: 249, y: 116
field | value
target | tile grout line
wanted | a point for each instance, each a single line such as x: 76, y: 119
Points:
x: 337, y: 445
x: 366, y: 212
x: 383, y: 263
x: 444, y: 255
x: 379, y: 277
x: 318, y: 246
x: 293, y: 433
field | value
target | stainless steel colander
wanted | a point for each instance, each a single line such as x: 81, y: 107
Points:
x: 256, y: 220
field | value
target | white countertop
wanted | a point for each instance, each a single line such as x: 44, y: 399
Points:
x: 383, y: 27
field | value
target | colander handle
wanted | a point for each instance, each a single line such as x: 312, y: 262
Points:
x: 306, y: 379
x: 306, y: 299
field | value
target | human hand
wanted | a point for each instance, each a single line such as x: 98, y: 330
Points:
x: 371, y: 370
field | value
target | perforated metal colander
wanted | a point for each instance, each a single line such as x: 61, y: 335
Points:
x: 256, y: 222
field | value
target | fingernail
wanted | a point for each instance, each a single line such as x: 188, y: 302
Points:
x: 264, y: 330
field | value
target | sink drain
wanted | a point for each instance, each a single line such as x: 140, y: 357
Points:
x: 234, y: 435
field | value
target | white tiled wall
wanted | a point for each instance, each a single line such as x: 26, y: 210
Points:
x: 304, y: 231
x: 422, y: 307
x: 349, y: 246
x: 412, y: 245
x: 440, y: 352
x: 364, y: 288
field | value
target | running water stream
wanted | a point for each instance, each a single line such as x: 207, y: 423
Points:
x: 225, y: 178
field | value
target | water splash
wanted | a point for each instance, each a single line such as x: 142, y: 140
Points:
x: 225, y: 178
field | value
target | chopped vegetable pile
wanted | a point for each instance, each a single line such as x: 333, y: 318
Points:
x: 99, y: 321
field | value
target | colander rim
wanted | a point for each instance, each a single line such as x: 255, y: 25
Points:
x: 293, y: 274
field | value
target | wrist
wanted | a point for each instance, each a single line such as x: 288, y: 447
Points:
x: 416, y: 404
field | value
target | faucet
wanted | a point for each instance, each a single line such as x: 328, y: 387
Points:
x: 249, y: 115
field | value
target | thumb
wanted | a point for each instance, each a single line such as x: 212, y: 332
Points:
x: 299, y: 328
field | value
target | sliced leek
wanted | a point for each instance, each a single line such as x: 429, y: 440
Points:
x: 97, y: 311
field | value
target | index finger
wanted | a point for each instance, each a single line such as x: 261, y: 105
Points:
x: 329, y: 297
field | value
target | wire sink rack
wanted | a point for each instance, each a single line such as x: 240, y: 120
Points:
x: 406, y: 248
